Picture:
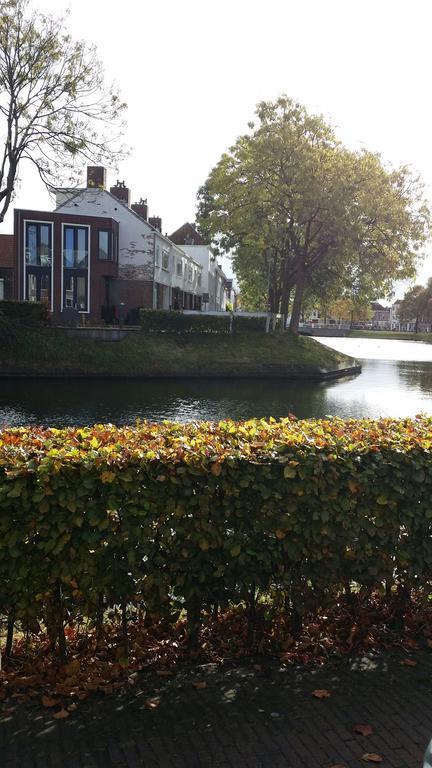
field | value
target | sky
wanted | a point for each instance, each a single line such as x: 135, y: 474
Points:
x: 192, y: 73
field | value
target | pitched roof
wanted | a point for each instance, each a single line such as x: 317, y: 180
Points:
x: 187, y: 235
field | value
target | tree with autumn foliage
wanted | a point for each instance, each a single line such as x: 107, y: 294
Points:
x: 300, y: 211
x: 55, y: 109
x: 417, y: 305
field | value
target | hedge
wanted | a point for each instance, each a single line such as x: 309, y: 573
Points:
x: 248, y: 324
x: 176, y: 322
x: 196, y: 514
x: 32, y: 312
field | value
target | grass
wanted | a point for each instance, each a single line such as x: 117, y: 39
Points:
x: 49, y: 351
x: 401, y: 335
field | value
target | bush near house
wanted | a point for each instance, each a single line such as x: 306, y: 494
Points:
x: 160, y: 320
x: 31, y: 312
x: 248, y: 324
x: 166, y: 517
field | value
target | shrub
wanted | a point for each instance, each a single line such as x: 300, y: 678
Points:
x: 31, y: 312
x: 158, y: 320
x: 200, y: 513
x: 248, y: 324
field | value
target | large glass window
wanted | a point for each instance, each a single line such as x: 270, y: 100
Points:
x: 38, y: 244
x: 104, y: 245
x: 75, y: 247
x: 179, y: 267
x: 2, y: 288
x: 38, y: 261
x: 75, y: 266
x: 165, y: 260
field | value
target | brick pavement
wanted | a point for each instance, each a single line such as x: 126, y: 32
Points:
x: 244, y: 718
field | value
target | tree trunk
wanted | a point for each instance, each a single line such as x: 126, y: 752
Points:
x: 9, y: 636
x: 298, y: 300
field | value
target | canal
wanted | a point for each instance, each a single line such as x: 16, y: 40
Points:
x: 396, y: 380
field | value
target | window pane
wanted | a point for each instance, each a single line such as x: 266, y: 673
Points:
x: 31, y: 288
x: 45, y: 285
x: 44, y: 246
x: 2, y: 289
x: 81, y: 294
x: 68, y: 249
x: 104, y: 250
x: 81, y: 256
x: 31, y: 244
x: 69, y: 291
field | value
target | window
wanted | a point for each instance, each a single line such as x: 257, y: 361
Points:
x: 199, y: 279
x: 179, y: 267
x: 157, y: 256
x: 2, y: 288
x: 165, y: 260
x: 76, y: 264
x: 75, y: 247
x: 38, y: 244
x: 105, y: 251
x: 38, y: 261
x: 190, y: 273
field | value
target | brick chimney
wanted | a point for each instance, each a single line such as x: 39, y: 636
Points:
x: 122, y: 192
x: 96, y: 176
x: 156, y: 222
x: 141, y: 208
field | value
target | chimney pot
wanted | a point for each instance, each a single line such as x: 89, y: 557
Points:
x: 141, y: 208
x: 156, y: 222
x: 122, y: 192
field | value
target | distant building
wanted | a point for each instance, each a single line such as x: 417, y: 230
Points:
x: 216, y: 287
x: 8, y: 281
x: 381, y: 316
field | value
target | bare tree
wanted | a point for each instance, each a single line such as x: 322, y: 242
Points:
x: 55, y: 108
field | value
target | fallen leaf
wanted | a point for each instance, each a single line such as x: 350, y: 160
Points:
x: 152, y: 703
x: 364, y: 730
x: 72, y: 707
x: 48, y: 701
x: 61, y: 715
x: 321, y: 693
x: 409, y: 663
x: 163, y: 672
x: 372, y: 757
x: 257, y: 667
x: 81, y: 695
x: 199, y: 684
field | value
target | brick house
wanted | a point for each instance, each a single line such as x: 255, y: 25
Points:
x: 96, y: 251
x: 8, y: 283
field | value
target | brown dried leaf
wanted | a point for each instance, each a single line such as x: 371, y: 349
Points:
x: 409, y: 663
x: 163, y: 672
x: 364, y: 730
x: 61, y: 715
x: 372, y: 757
x: 48, y: 701
x: 199, y: 685
x: 321, y: 693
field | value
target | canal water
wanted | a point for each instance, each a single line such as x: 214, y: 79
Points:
x: 396, y: 380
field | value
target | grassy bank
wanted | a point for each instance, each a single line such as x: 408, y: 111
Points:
x: 401, y: 335
x: 49, y: 351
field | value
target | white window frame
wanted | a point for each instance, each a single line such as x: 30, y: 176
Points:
x: 82, y: 226
x: 165, y: 255
x: 49, y: 224
x: 180, y: 264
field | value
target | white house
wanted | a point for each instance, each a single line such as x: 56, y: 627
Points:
x: 216, y: 286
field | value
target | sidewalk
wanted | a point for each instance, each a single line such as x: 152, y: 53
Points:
x: 243, y: 717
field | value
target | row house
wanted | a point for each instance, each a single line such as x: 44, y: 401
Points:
x: 97, y: 251
x: 217, y: 289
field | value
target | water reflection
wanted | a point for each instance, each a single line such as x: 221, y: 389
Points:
x: 398, y: 386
